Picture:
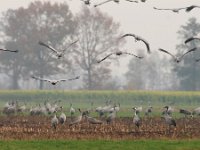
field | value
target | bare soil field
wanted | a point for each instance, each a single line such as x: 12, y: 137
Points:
x: 39, y: 127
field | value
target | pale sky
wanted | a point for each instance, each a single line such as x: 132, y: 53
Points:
x: 159, y: 28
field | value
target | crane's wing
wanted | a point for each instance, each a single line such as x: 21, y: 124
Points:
x: 162, y: 50
x: 172, y: 9
x: 161, y: 8
x: 76, y: 120
x: 137, y: 38
x: 75, y: 78
x: 132, y: 1
x: 102, y: 3
x: 189, y: 8
x: 140, y: 57
x: 191, y: 39
x: 9, y: 50
x: 93, y: 120
x: 62, y: 80
x: 128, y: 34
x: 38, y: 78
x: 70, y: 45
x: 191, y: 50
x: 104, y: 58
x: 48, y: 46
x: 147, y: 44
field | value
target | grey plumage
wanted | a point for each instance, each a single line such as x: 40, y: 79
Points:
x: 175, y: 58
x: 77, y: 120
x: 148, y: 110
x: 86, y: 2
x: 71, y: 110
x: 116, y: 1
x: 169, y: 120
x: 189, y: 8
x: 196, y: 111
x: 54, y: 122
x: 138, y: 38
x: 118, y: 54
x: 92, y: 120
x: 168, y: 110
x: 136, y: 118
x: 8, y: 50
x: 111, y: 116
x: 54, y: 82
x: 191, y: 39
x: 62, y: 117
x: 185, y: 112
x: 176, y: 10
x: 59, y: 54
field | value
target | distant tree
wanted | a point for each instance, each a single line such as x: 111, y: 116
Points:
x: 188, y: 71
x: 150, y: 73
x: 136, y: 74
x: 97, y: 33
x: 24, y: 28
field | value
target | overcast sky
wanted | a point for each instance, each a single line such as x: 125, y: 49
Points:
x: 159, y: 28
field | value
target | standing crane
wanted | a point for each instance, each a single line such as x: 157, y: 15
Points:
x: 136, y: 118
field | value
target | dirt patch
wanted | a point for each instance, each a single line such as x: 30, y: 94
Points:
x: 39, y: 127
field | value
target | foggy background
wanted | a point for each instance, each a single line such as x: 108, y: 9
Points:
x: 162, y: 29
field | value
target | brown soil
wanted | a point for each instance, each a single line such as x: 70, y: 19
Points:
x: 39, y: 127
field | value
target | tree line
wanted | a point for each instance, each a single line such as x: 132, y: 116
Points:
x: 97, y: 32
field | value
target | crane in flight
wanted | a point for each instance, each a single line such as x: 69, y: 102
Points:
x: 8, y: 50
x: 191, y: 39
x: 177, y: 59
x: 176, y: 10
x: 54, y: 82
x: 118, y: 54
x: 58, y: 53
x: 116, y: 1
x: 87, y: 2
x: 138, y: 38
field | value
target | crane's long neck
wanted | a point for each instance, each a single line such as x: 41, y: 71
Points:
x: 135, y: 113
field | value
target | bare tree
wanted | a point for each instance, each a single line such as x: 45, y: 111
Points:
x: 98, y: 34
x: 24, y: 28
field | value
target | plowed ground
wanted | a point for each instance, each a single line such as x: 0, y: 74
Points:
x: 39, y: 127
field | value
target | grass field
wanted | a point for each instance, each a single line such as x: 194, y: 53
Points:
x: 82, y: 99
x: 101, y: 145
x: 127, y: 99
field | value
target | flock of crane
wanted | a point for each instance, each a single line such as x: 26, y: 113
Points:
x: 137, y: 38
x: 108, y: 110
x: 106, y: 113
x: 60, y: 53
x: 175, y: 10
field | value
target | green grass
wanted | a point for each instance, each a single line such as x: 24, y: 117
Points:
x: 101, y: 145
x: 127, y: 99
x: 98, y: 97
